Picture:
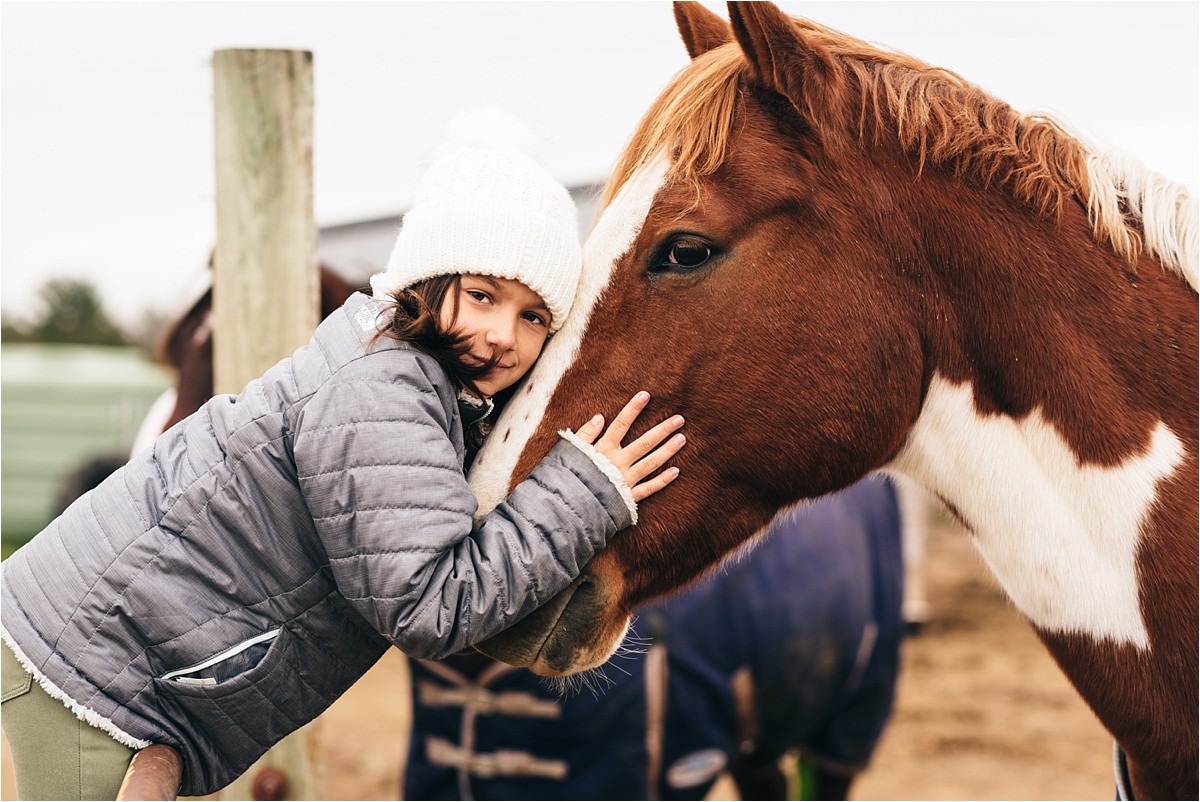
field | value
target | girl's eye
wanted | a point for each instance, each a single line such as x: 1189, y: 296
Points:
x: 535, y: 318
x: 686, y: 253
x: 478, y: 295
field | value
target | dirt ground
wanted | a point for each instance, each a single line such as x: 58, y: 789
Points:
x: 982, y: 712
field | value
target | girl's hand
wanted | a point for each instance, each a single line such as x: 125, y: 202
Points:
x: 641, y: 458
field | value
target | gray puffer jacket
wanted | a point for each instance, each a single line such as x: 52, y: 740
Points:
x: 227, y: 585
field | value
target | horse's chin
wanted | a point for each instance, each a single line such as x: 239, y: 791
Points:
x: 578, y: 629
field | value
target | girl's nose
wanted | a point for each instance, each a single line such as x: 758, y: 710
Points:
x: 502, y: 335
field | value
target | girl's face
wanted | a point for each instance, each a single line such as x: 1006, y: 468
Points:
x: 501, y: 317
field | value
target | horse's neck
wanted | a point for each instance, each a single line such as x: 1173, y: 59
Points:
x: 1069, y: 543
x: 1052, y: 450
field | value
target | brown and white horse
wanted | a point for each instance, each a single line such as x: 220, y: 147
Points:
x: 832, y: 259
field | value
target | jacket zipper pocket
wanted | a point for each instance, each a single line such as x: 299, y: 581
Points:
x: 178, y: 675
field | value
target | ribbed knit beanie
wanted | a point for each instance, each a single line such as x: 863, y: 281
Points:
x: 486, y: 206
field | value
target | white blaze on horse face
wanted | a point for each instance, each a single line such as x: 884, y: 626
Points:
x: 1061, y: 537
x: 611, y: 238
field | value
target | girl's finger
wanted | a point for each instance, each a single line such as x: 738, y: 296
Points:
x: 652, y: 486
x: 652, y: 462
x: 625, y: 418
x: 646, y: 443
x: 589, y: 431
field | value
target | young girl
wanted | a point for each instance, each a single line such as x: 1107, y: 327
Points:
x: 228, y: 584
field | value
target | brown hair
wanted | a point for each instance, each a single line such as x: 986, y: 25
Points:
x: 416, y: 319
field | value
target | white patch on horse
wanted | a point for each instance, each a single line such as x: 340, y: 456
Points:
x: 611, y: 237
x: 1061, y: 537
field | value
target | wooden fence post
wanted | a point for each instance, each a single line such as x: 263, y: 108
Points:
x: 266, y: 294
x: 153, y: 774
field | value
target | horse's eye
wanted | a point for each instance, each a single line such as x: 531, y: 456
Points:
x: 687, y: 254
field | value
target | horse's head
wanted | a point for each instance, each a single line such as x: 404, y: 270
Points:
x: 770, y: 238
x: 769, y: 249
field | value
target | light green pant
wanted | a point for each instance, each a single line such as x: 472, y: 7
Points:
x: 55, y: 755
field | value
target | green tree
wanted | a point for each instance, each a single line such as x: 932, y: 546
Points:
x: 13, y: 331
x: 72, y: 313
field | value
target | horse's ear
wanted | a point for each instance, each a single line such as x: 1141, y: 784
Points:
x: 701, y: 29
x: 783, y: 59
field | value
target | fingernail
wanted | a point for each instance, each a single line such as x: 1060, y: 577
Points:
x: 677, y: 420
x: 678, y: 440
x: 642, y: 397
x: 672, y: 472
x: 599, y: 419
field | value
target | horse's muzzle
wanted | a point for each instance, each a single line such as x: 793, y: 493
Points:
x: 578, y: 629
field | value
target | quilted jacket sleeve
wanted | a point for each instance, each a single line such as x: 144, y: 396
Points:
x: 383, y: 483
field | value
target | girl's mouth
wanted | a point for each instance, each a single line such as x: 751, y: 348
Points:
x: 480, y: 361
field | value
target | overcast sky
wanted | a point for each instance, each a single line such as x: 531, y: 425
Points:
x: 106, y: 108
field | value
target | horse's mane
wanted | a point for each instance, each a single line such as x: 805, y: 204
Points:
x: 940, y: 118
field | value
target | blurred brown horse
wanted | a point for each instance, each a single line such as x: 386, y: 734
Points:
x: 188, y: 348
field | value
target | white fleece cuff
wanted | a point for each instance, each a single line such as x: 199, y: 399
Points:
x: 607, y: 468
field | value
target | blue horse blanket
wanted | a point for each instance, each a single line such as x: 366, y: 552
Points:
x: 793, y: 647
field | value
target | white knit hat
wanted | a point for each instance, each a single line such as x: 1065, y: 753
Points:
x: 486, y: 206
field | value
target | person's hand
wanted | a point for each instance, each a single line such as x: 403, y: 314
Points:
x: 637, y: 461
